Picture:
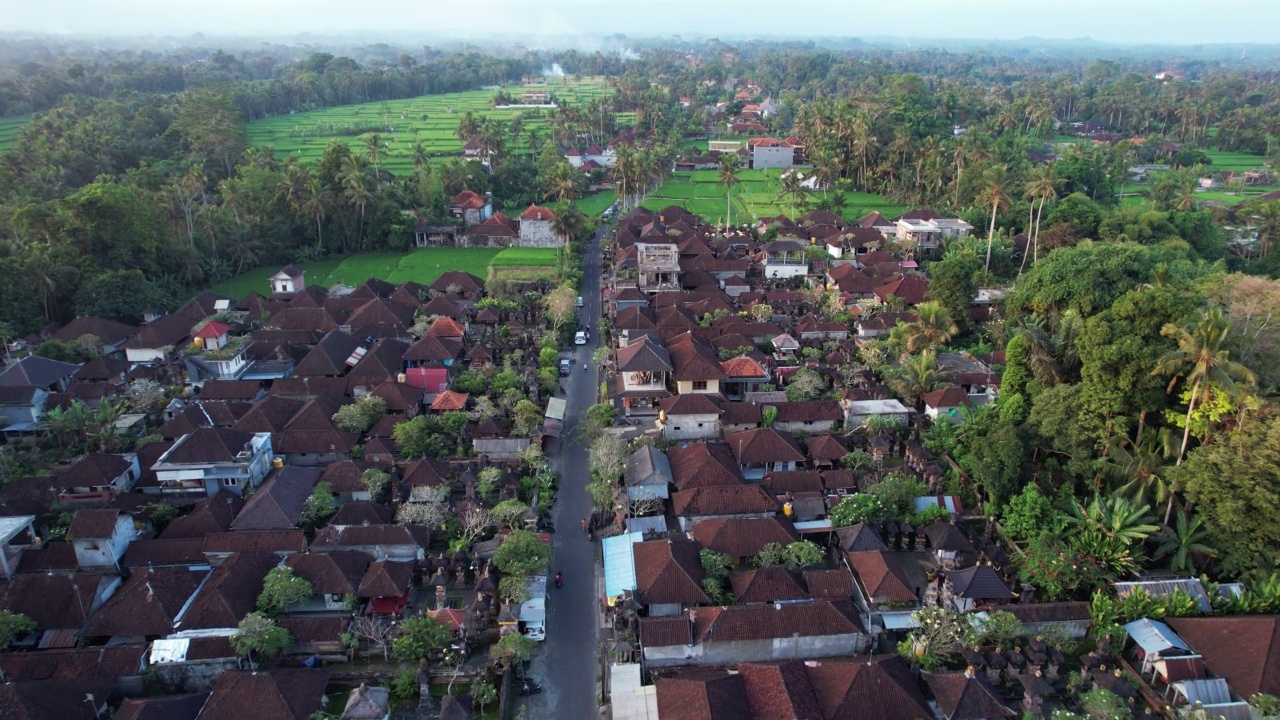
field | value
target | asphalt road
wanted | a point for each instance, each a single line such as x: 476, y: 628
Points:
x: 568, y: 661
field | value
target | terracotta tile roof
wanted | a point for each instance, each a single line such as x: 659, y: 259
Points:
x: 400, y: 397
x: 424, y: 471
x: 92, y: 470
x: 434, y: 349
x: 158, y: 553
x: 794, y: 481
x: 859, y: 538
x: 344, y: 475
x: 702, y: 695
x: 449, y: 401
x: 386, y: 579
x: 147, y: 603
x: 695, y: 465
x: 93, y: 524
x: 275, y: 541
x: 949, y: 397
x: 231, y: 593
x: 467, y: 200
x: 167, y: 707
x: 535, y: 212
x: 306, y: 629
x: 357, y: 536
x: 779, y: 691
x: 231, y: 390
x: 741, y: 413
x: 213, y: 514
x: 829, y: 584
x: 743, y: 366
x: 332, y: 573
x: 762, y: 622
x: 764, y: 445
x: 54, y: 699
x: 204, y: 413
x: 360, y: 512
x: 67, y: 664
x: 882, y: 576
x: 826, y: 447
x: 979, y: 582
x: 743, y: 537
x: 445, y: 327
x: 839, y: 480
x: 1245, y: 650
x: 205, y: 445
x: 690, y: 404
x: 277, y: 503
x: 881, y: 687
x: 109, y: 332
x: 766, y: 585
x: 961, y: 697
x: 911, y: 288
x: 647, y: 355
x: 30, y: 595
x: 723, y: 500
x: 167, y: 330
x: 693, y: 358
x: 668, y: 572
x: 275, y: 695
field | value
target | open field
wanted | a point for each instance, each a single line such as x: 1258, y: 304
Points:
x: 1234, y: 161
x: 9, y: 129
x: 755, y: 197
x: 593, y: 205
x: 433, y: 119
x: 421, y: 266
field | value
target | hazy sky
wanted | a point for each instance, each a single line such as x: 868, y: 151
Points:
x: 1137, y: 21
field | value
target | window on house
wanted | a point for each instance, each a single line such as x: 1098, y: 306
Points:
x: 699, y: 425
x: 231, y: 482
x: 699, y: 384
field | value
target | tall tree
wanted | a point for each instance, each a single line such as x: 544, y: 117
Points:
x: 995, y: 195
x: 1042, y: 186
x: 727, y: 178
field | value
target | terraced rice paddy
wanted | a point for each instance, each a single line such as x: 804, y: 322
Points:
x: 431, y: 119
x: 755, y: 197
x: 9, y: 129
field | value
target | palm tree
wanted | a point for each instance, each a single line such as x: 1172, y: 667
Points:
x: 728, y: 178
x: 314, y: 202
x: 791, y: 187
x: 468, y: 126
x: 374, y: 146
x: 1202, y: 359
x: 1114, y: 516
x: 418, y: 155
x: 919, y: 375
x: 1182, y: 541
x: 996, y: 181
x: 1042, y: 186
x: 933, y: 326
x: 564, y: 184
x: 356, y: 190
x: 1268, y: 217
x: 1142, y: 465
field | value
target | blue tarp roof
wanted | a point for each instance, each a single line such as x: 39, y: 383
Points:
x: 620, y: 563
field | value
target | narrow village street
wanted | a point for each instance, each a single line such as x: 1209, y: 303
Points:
x: 568, y: 663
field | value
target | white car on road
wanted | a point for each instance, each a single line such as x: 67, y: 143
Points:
x: 580, y: 338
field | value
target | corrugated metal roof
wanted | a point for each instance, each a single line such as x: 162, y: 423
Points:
x: 1154, y: 637
x: 1209, y: 691
x: 620, y: 563
x: 1161, y: 588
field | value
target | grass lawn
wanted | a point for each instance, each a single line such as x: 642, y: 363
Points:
x: 524, y: 257
x: 9, y: 129
x: 595, y: 204
x: 755, y: 197
x: 1234, y: 161
x: 432, y: 119
x: 420, y: 266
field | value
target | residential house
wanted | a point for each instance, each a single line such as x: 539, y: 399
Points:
x: 764, y: 450
x: 156, y: 341
x: 770, y: 584
x: 109, y: 333
x: 334, y: 576
x: 696, y: 366
x: 289, y: 280
x: 692, y: 416
x: 962, y: 696
x: 809, y: 417
x: 771, y: 153
x: 742, y: 538
x: 643, y: 367
x: 97, y: 476
x: 472, y: 207
x: 536, y: 230
x: 39, y: 372
x: 22, y: 409
x: 295, y: 694
x: 648, y: 474
x: 386, y: 586
x: 17, y: 533
x: 856, y: 412
x: 78, y: 596
x: 1243, y: 650
x: 881, y: 579
x: 948, y: 403
x: 669, y: 576
x: 208, y: 460
x: 977, y: 586
x: 80, y: 698
x: 695, y: 465
x: 753, y: 633
x: 278, y: 504
x: 717, y: 501
x: 148, y: 604
x: 379, y: 542
x: 744, y: 375
x: 100, y: 538
x: 231, y: 592
x: 657, y: 267
x: 785, y: 258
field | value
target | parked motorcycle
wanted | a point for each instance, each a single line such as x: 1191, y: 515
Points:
x: 529, y: 687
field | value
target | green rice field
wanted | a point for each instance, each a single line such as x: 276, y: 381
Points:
x: 432, y: 119
x: 755, y: 197
x: 420, y: 266
x: 9, y: 129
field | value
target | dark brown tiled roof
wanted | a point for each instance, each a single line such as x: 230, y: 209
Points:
x: 109, y: 332
x: 702, y: 695
x: 400, y: 397
x: 668, y: 572
x: 211, y: 515
x: 723, y: 500
x: 826, y: 447
x: 694, y: 359
x: 204, y: 413
x: 779, y: 691
x: 168, y: 707
x: 147, y: 603
x: 93, y: 524
x: 156, y: 553
x: 345, y: 536
x: 328, y: 357
x: 231, y: 593
x: 278, y: 503
x: 92, y: 470
x: 464, y: 280
x: 385, y: 578
x: 764, y: 445
x: 314, y: 628
x: 344, y: 476
x: 794, y: 481
x: 881, y: 687
x: 1243, y: 649
x: 829, y: 584
x: 743, y: 537
x: 948, y: 397
x: 838, y: 480
x: 167, y: 330
x: 276, y: 695
x: 333, y: 573
x: 96, y: 662
x: 979, y: 582
x: 32, y: 594
x: 945, y: 536
x: 276, y: 541
x: 766, y: 585
x: 666, y: 631
x: 361, y: 512
x: 965, y: 698
x: 690, y: 404
x: 809, y: 411
x: 231, y: 390
x: 54, y: 699
x: 102, y: 369
x: 646, y: 355
x: 741, y: 413
x: 882, y: 576
x: 859, y: 538
x: 762, y: 622
x: 703, y: 465
x: 209, y: 445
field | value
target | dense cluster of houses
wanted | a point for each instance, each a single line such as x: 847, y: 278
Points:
x: 728, y: 462
x: 147, y: 603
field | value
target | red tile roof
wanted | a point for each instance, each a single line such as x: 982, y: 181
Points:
x: 467, y: 200
x: 764, y: 445
x: 535, y: 212
x: 449, y: 401
x: 668, y: 572
x: 700, y: 464
x: 766, y: 585
x: 961, y: 697
x: 276, y: 695
x: 764, y: 622
x: 882, y: 576
x: 147, y: 603
x: 1243, y: 649
x: 702, y: 695
x: 723, y: 500
x: 743, y: 537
